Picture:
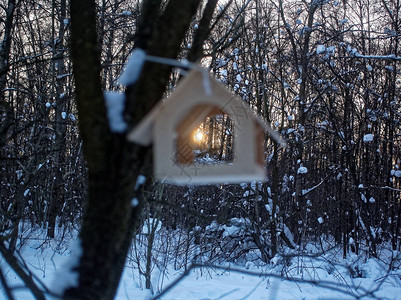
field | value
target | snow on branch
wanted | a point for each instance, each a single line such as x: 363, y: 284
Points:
x: 115, y: 102
x: 133, y: 67
x: 381, y: 57
x: 307, y: 191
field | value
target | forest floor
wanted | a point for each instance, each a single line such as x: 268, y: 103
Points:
x: 326, y: 276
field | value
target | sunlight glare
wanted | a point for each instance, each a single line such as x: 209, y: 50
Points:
x: 198, y: 136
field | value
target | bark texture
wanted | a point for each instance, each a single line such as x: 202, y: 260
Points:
x: 113, y: 163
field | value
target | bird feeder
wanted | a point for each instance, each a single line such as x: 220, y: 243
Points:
x: 179, y: 127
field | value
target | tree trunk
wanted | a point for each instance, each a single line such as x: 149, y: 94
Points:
x: 113, y: 163
x: 5, y: 46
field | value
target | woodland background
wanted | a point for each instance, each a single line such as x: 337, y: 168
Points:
x: 324, y: 74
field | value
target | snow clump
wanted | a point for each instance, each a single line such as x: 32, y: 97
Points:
x: 115, y: 102
x: 302, y: 170
x: 133, y: 67
x: 396, y: 173
x: 320, y: 49
x: 368, y: 138
x: 134, y: 202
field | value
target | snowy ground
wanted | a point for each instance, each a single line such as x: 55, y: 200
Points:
x: 46, y: 262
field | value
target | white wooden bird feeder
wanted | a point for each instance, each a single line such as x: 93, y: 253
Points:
x: 173, y: 126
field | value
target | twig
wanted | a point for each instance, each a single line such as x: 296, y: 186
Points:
x: 15, y: 265
x: 174, y: 283
x: 6, y: 287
